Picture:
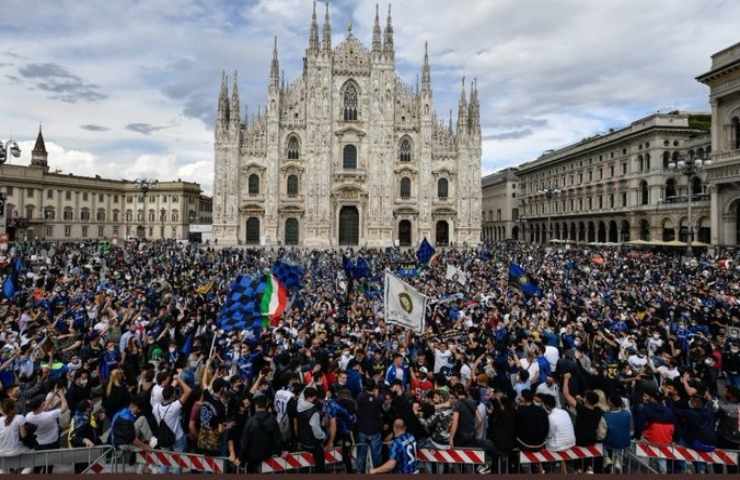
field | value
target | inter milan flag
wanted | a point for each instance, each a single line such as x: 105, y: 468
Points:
x: 425, y: 252
x: 519, y: 278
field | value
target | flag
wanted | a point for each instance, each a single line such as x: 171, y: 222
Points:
x: 456, y: 274
x: 404, y: 305
x: 187, y: 347
x: 407, y: 270
x: 289, y: 274
x: 425, y: 252
x: 241, y: 308
x: 10, y: 285
x: 724, y: 263
x: 274, y: 300
x: 361, y: 268
x: 205, y: 288
x: 518, y: 276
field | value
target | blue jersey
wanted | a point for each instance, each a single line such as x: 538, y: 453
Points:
x: 403, y: 451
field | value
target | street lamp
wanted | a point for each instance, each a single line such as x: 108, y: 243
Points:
x: 145, y: 184
x: 690, y: 169
x: 549, y: 193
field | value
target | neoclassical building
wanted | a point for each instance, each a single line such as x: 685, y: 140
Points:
x: 47, y: 204
x: 617, y: 187
x: 347, y: 154
x: 500, y: 209
x: 724, y: 175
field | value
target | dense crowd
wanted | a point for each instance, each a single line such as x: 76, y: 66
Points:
x: 120, y: 345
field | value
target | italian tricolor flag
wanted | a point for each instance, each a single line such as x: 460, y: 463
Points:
x: 274, y: 301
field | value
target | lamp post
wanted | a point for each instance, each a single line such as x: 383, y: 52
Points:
x: 7, y: 149
x: 145, y: 184
x: 690, y: 169
x: 549, y: 193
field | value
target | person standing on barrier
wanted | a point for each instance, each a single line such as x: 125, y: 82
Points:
x: 310, y: 434
x: 46, y: 421
x: 618, y: 422
x: 342, y: 417
x: 261, y: 437
x: 463, y: 426
x: 402, y: 457
x: 369, y: 426
x: 168, y: 418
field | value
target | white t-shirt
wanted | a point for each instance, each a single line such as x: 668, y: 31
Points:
x: 441, y: 359
x: 465, y: 374
x: 668, y: 373
x: 282, y: 397
x: 561, y: 436
x: 10, y: 436
x: 552, y: 354
x: 156, y: 398
x: 544, y: 389
x: 637, y: 362
x: 47, y: 425
x: 171, y: 415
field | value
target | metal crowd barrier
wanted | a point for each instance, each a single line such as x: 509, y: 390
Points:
x: 640, y: 458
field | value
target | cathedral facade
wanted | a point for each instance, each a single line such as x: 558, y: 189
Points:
x: 347, y: 154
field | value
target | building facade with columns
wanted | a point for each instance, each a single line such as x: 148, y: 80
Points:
x: 347, y: 154
x: 500, y: 214
x: 617, y: 186
x: 50, y: 205
x: 724, y: 174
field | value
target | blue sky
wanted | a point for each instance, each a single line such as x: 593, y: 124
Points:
x: 129, y: 88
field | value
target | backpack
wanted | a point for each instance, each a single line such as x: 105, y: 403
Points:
x: 122, y: 432
x: 165, y: 435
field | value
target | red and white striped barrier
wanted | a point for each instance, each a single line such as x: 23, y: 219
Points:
x: 294, y: 461
x: 186, y: 461
x: 676, y: 452
x: 455, y: 455
x: 98, y: 467
x: 574, y: 453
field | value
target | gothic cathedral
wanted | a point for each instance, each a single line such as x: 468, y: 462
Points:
x: 347, y: 155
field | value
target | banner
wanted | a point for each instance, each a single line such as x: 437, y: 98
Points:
x: 454, y: 273
x: 403, y: 304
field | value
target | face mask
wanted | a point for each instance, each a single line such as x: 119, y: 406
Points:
x: 172, y: 350
x: 656, y: 336
x: 83, y: 383
x: 735, y: 349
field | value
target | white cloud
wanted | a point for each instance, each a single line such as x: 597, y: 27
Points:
x: 577, y: 66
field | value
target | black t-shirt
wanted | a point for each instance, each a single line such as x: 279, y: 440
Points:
x: 587, y: 423
x: 532, y: 426
x: 465, y: 434
x: 369, y: 414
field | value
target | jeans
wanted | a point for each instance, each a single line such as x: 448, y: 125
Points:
x: 375, y: 444
x: 179, y: 446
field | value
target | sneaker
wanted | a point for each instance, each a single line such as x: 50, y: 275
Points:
x: 484, y: 469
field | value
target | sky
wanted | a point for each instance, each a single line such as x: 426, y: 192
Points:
x: 126, y: 89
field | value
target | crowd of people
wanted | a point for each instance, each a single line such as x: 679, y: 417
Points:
x: 121, y: 346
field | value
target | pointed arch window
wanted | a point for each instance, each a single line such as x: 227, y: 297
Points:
x: 294, y: 149
x: 350, y: 103
x: 405, y: 150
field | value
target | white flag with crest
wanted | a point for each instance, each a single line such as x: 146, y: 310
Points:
x: 404, y: 305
